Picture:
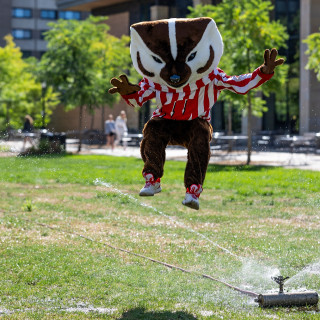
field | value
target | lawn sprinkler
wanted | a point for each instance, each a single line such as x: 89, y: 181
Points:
x: 287, y: 299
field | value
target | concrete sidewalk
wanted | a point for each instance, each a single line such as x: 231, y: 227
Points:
x: 306, y: 161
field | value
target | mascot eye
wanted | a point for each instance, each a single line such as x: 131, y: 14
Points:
x: 156, y: 59
x: 192, y: 56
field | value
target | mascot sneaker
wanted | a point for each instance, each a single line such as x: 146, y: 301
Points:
x: 151, y: 187
x: 191, y: 199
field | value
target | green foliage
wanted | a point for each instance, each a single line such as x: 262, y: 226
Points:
x: 20, y: 90
x: 313, y: 42
x: 81, y: 58
x: 17, y: 86
x: 27, y: 206
x: 247, y: 31
x: 44, y: 100
x: 45, y: 147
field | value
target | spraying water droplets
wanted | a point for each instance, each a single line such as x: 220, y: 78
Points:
x: 142, y: 204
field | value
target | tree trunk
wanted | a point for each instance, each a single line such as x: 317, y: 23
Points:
x: 7, y: 116
x: 249, y: 125
x: 102, y: 119
x: 8, y: 105
x: 249, y: 130
x: 80, y: 128
x: 102, y: 125
x: 92, y: 121
x: 229, y: 126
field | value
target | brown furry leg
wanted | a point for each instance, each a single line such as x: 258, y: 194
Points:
x: 199, y: 137
x: 153, y: 146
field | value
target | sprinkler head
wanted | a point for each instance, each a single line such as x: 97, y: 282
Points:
x: 281, y: 299
x: 280, y: 281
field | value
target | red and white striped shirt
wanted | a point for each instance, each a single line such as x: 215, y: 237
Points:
x: 194, y: 100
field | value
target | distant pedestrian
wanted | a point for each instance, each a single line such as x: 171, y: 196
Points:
x: 110, y: 131
x: 27, y: 131
x: 121, y: 128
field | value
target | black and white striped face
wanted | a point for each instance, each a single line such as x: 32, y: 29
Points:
x: 176, y: 52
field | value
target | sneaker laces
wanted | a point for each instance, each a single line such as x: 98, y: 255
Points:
x: 195, y: 190
x: 150, y: 179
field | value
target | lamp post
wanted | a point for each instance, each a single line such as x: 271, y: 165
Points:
x: 43, y: 113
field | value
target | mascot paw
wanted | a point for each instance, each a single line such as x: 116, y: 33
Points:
x: 123, y: 86
x: 270, y: 62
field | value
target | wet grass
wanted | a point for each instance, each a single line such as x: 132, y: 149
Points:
x: 268, y: 218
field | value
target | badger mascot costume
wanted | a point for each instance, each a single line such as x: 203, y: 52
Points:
x: 178, y: 59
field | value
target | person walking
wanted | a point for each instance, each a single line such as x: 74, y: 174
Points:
x: 27, y: 131
x: 110, y: 131
x: 121, y: 129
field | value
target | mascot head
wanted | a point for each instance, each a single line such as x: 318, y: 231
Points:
x: 176, y: 52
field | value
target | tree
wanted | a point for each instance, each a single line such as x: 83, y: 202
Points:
x: 20, y: 90
x: 16, y: 85
x: 247, y: 31
x: 313, y: 42
x: 44, y: 98
x: 81, y: 59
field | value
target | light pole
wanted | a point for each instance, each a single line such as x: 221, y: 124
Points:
x: 43, y: 95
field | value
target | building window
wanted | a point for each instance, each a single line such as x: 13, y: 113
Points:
x: 281, y: 6
x: 21, y: 13
x: 26, y: 54
x: 294, y: 6
x: 42, y: 34
x: 48, y: 14
x: 22, y: 34
x: 69, y: 15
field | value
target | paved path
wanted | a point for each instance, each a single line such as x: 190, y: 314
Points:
x: 287, y: 160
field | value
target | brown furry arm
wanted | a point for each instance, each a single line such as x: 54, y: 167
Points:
x: 270, y: 62
x: 123, y: 86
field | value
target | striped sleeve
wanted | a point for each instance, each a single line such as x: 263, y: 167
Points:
x: 137, y: 99
x: 240, y: 84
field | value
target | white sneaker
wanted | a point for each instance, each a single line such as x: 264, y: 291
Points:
x: 191, y: 199
x: 151, y: 187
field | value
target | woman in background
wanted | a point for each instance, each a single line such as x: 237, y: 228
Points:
x: 27, y: 131
x: 110, y: 131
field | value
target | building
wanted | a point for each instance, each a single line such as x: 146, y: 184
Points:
x: 27, y: 20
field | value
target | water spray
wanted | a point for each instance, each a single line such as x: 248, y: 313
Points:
x: 269, y: 300
x: 280, y: 299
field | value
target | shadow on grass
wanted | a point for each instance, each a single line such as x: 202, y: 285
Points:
x: 239, y: 168
x: 142, y: 314
x: 44, y: 155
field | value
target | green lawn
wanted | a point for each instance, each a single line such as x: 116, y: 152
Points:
x: 253, y: 223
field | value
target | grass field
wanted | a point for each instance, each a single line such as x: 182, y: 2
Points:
x: 253, y: 223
